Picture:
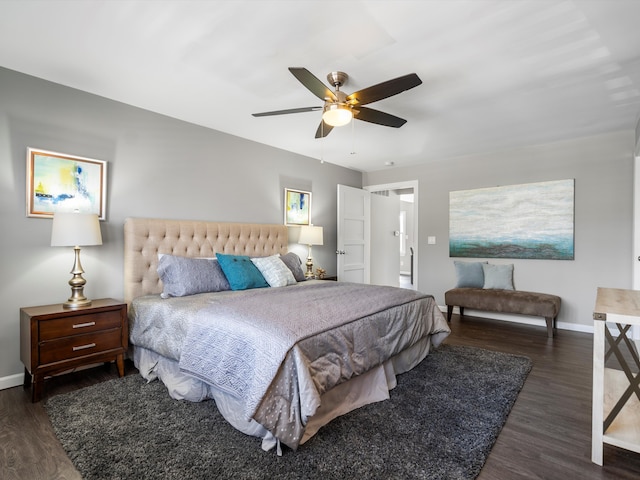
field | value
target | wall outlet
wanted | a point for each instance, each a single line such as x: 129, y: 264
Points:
x: 431, y: 240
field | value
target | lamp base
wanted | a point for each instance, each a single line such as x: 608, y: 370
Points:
x: 77, y: 282
x: 309, y: 273
x: 77, y: 298
x: 76, y: 303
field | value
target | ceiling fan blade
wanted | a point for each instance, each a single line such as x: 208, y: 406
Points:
x: 312, y: 83
x: 384, y: 89
x: 285, y: 112
x: 323, y: 129
x: 376, y: 116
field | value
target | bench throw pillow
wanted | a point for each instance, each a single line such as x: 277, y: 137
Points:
x: 469, y: 274
x: 498, y: 276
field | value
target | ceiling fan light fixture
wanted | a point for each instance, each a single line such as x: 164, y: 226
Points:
x: 337, y: 114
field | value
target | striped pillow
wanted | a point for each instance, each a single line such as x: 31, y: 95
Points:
x: 274, y: 271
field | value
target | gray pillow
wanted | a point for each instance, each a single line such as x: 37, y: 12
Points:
x: 293, y: 261
x: 183, y: 276
x: 469, y: 274
x: 498, y: 276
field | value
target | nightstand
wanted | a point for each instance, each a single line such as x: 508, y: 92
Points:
x: 54, y: 339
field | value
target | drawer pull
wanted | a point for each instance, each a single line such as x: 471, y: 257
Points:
x: 82, y: 325
x: 82, y: 347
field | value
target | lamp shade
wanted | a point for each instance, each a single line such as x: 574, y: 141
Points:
x: 310, y: 235
x: 71, y: 229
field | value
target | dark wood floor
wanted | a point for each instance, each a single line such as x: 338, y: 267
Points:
x: 547, y: 434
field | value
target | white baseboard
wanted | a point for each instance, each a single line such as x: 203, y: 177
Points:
x: 18, y: 379
x: 524, y: 319
x: 11, y: 381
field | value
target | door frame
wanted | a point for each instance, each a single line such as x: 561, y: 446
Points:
x: 636, y: 223
x: 416, y: 217
x: 636, y: 234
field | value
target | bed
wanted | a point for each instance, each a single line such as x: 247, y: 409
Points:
x: 282, y: 362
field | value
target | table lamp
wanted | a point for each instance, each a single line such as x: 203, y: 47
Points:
x: 72, y: 229
x: 310, y: 235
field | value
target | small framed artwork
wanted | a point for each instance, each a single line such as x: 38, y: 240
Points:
x: 57, y: 182
x: 297, y: 207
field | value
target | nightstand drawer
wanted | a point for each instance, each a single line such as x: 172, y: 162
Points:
x: 79, y: 324
x: 79, y: 345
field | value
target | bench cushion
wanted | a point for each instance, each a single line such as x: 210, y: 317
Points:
x: 505, y: 301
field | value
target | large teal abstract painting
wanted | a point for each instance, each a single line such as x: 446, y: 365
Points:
x: 533, y: 220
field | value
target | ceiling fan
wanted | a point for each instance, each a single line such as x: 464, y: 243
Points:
x: 339, y: 108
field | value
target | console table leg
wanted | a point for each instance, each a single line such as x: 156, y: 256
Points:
x: 597, y: 430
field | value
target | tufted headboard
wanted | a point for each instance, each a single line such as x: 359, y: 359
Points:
x: 145, y: 238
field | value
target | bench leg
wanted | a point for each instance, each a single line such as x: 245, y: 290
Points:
x: 449, y: 312
x: 551, y: 325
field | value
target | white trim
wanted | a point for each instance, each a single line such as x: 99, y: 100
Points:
x: 635, y: 333
x: 522, y: 319
x: 11, y: 381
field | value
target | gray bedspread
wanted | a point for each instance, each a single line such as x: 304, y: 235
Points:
x: 277, y: 350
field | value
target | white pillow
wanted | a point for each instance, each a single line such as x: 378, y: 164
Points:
x: 274, y: 271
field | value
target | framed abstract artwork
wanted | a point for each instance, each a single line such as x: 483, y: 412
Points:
x: 533, y: 220
x: 57, y: 182
x: 297, y: 207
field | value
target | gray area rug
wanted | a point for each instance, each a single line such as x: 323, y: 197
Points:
x: 440, y: 423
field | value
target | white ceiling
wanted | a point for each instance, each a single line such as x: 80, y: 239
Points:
x: 496, y: 74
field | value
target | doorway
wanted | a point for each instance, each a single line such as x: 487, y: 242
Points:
x: 408, y: 229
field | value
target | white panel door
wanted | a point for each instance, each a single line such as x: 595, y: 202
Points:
x: 354, y: 234
x: 385, y: 240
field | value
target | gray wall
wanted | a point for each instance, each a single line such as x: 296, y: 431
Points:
x: 602, y: 167
x: 157, y: 167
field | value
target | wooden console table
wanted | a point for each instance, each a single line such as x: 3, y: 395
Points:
x: 616, y: 390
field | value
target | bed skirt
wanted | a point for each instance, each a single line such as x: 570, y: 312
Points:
x: 370, y: 387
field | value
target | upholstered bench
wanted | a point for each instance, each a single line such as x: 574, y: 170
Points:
x: 505, y: 301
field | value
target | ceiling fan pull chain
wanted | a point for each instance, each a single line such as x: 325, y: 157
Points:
x: 322, y: 142
x: 353, y: 138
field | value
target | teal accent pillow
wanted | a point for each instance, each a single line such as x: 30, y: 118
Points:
x: 498, y: 276
x: 240, y: 271
x: 469, y: 274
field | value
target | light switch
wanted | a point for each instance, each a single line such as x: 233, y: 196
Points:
x: 431, y: 240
